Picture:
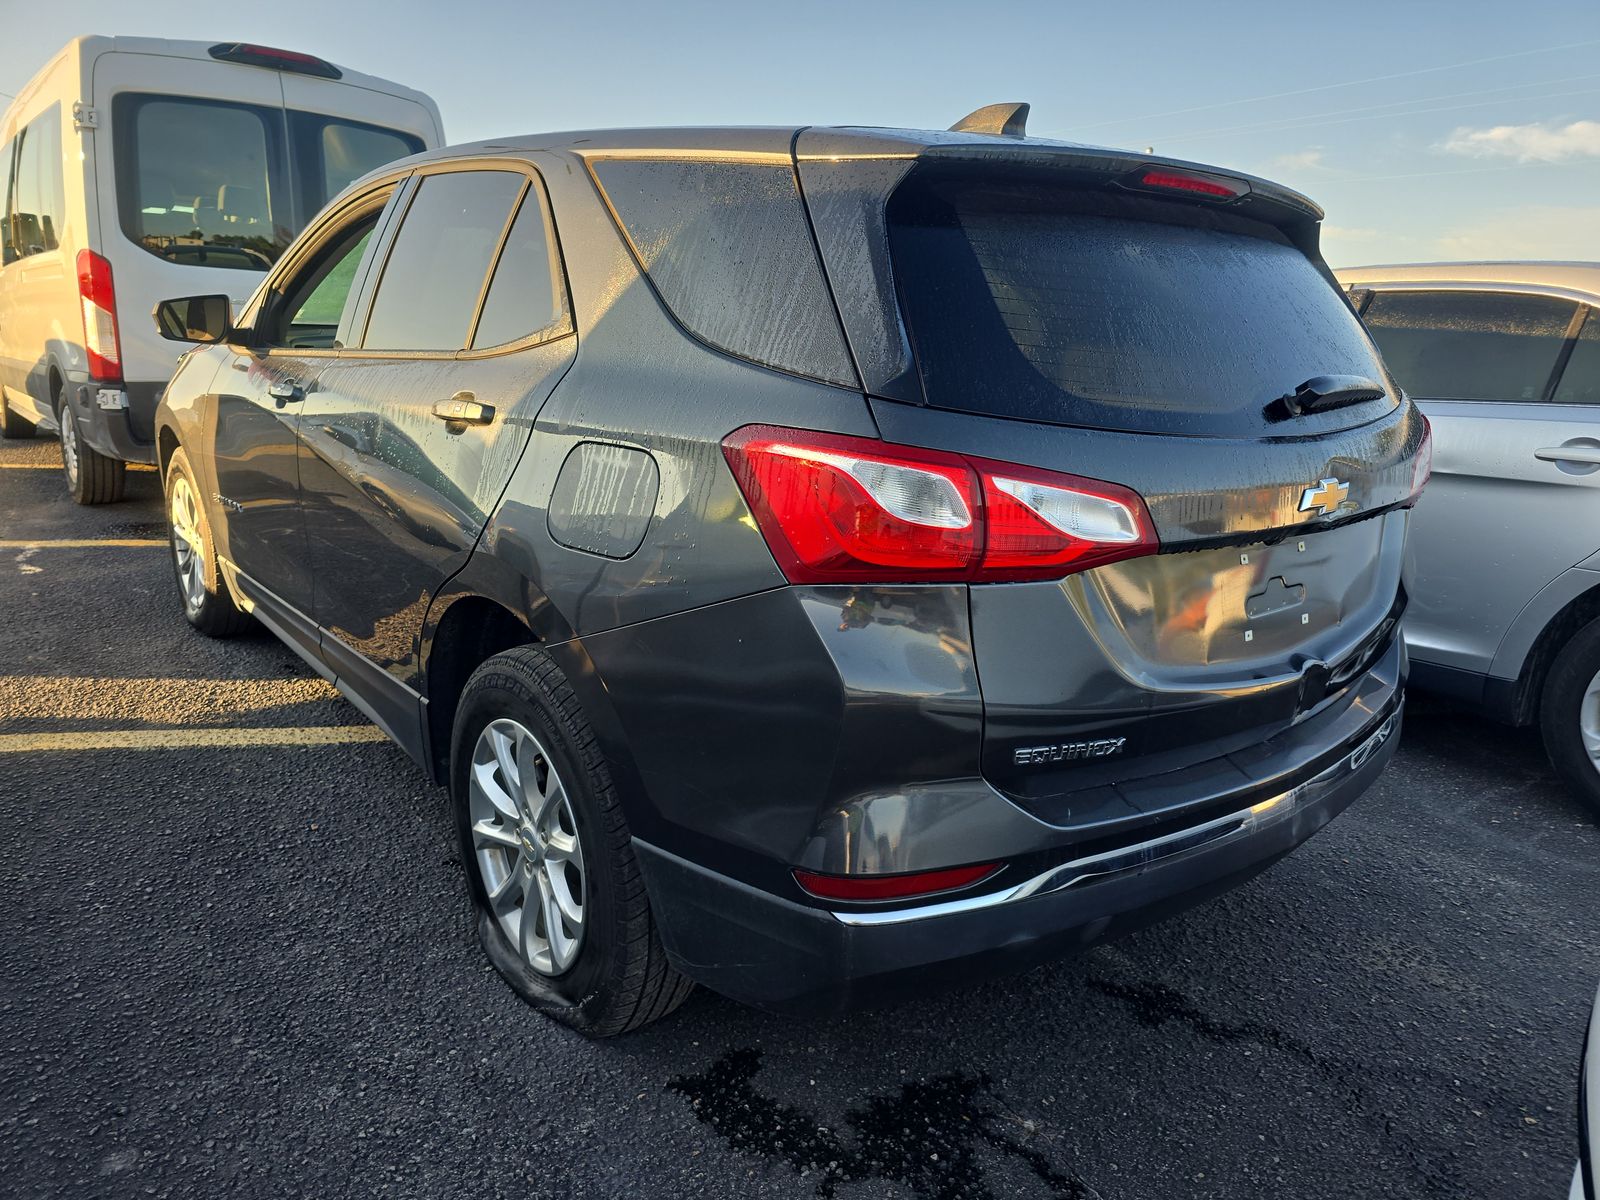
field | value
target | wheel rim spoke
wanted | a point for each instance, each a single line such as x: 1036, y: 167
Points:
x: 486, y: 833
x: 505, y: 756
x: 570, y: 909
x: 485, y: 784
x: 504, y: 895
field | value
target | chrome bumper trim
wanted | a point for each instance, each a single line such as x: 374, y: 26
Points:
x: 1209, y: 834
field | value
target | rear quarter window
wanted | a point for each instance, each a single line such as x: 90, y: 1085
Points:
x: 1037, y: 302
x: 728, y: 248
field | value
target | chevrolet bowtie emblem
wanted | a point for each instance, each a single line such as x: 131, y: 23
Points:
x: 1324, y: 497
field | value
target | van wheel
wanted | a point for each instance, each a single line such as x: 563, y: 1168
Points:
x: 207, y: 603
x: 1569, y: 714
x: 92, y: 478
x: 560, y: 905
x: 14, y: 425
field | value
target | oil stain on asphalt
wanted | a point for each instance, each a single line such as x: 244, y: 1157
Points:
x: 928, y: 1136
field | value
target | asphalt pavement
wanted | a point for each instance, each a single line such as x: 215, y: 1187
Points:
x: 237, y: 961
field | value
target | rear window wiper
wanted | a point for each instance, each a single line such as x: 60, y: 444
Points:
x: 1323, y: 392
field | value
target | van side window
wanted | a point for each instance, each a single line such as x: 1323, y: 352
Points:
x: 526, y: 295
x: 38, y: 196
x: 1470, y: 345
x: 197, y: 180
x: 331, y: 154
x: 1580, y: 382
x: 436, y: 269
x: 8, y: 160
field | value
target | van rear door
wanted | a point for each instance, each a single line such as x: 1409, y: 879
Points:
x: 191, y: 195
x: 339, y: 131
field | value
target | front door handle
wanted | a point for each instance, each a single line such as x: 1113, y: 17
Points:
x: 285, y: 391
x: 463, y: 409
x: 1587, y: 455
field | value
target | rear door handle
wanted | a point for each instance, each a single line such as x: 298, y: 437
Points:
x: 1587, y: 455
x: 463, y: 409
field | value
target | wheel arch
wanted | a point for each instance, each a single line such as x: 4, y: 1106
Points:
x: 1515, y: 698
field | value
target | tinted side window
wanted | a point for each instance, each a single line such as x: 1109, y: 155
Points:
x: 526, y: 295
x: 8, y: 159
x: 435, y: 272
x: 199, y: 181
x: 728, y: 247
x: 38, y: 200
x: 330, y: 154
x: 1580, y: 382
x: 1470, y: 345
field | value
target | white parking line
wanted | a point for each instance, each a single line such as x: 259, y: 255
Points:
x: 189, y: 739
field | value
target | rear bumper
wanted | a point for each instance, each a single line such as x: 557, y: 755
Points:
x: 118, y: 420
x: 777, y: 954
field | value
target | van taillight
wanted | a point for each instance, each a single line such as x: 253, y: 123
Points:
x: 253, y: 55
x: 99, y: 317
x: 838, y: 509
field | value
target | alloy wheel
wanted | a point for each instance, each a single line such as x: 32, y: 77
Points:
x: 69, y: 445
x: 1589, y: 720
x: 525, y: 840
x: 188, y: 544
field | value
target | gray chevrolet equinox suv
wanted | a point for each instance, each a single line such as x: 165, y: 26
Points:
x: 820, y: 562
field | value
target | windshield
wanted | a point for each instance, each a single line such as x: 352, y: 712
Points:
x: 1043, y: 303
x: 214, y: 183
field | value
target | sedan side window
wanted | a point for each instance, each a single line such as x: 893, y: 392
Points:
x: 1470, y: 345
x: 526, y: 295
x: 1580, y: 382
x: 435, y: 273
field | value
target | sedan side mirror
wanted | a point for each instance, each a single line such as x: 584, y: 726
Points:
x: 203, y: 319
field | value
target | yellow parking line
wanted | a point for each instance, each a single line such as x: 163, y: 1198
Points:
x: 55, y: 466
x: 81, y: 543
x: 189, y: 739
x: 156, y: 702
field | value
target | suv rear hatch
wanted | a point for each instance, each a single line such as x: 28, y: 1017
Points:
x: 1065, y: 313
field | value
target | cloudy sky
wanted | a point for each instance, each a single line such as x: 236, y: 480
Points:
x: 1427, y: 130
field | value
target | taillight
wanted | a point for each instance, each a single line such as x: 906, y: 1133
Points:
x: 1422, y: 465
x: 867, y: 888
x: 99, y: 317
x: 838, y: 509
x: 1195, y: 183
x: 1043, y: 525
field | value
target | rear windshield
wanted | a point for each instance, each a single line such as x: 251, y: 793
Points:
x: 1115, y: 312
x: 212, y: 183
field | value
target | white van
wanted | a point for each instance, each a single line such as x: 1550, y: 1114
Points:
x: 135, y: 169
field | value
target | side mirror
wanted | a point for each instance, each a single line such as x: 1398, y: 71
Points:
x: 202, y: 319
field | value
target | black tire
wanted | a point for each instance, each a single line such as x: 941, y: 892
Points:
x: 92, y: 477
x: 13, y: 425
x: 213, y: 610
x: 620, y: 979
x: 1561, y: 709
